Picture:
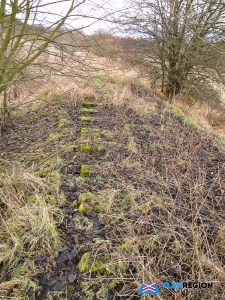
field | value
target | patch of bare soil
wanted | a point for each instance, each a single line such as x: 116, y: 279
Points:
x: 166, y: 182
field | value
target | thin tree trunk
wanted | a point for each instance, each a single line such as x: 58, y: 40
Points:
x: 5, y: 112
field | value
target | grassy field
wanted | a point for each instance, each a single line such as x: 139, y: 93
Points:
x: 103, y: 186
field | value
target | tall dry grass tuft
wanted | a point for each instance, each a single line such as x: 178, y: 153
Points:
x: 28, y: 229
x: 134, y: 94
x: 207, y: 117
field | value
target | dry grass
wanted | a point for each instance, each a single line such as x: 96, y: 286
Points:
x: 157, y: 236
x: 217, y: 120
x: 208, y: 119
x: 28, y: 229
x: 30, y: 191
x: 79, y: 67
x: 155, y: 248
x: 161, y: 225
x: 134, y: 91
x: 129, y: 91
x: 152, y: 233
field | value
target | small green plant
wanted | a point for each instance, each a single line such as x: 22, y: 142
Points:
x: 87, y: 263
x: 48, y: 169
x: 97, y: 82
x: 83, y: 224
x: 154, y: 146
x: 98, y: 179
x: 84, y: 132
x: 99, y: 148
x: 75, y: 203
x: 154, y: 114
x: 86, y: 196
x: 129, y: 126
x: 87, y: 289
x: 51, y: 200
x: 70, y: 289
x: 80, y: 179
x: 154, y: 242
x: 85, y: 170
x: 62, y: 122
x: 70, y: 182
x: 112, y: 284
x: 87, y: 119
x: 119, y: 80
x: 84, y: 208
x: 86, y: 147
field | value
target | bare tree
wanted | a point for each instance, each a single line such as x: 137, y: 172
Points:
x: 31, y: 30
x: 23, y: 39
x: 178, y: 39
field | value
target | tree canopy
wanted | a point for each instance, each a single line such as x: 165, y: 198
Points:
x: 182, y: 36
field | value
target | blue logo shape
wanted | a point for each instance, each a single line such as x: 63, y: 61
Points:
x: 174, y: 285
x: 148, y: 288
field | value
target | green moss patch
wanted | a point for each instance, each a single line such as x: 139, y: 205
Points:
x: 85, y: 110
x: 101, y: 265
x: 62, y: 122
x: 90, y: 132
x: 87, y: 147
x: 85, y: 170
x: 84, y: 208
x: 87, y: 202
x: 75, y: 203
x: 89, y: 104
x: 87, y: 119
x: 84, y: 132
x: 84, y: 263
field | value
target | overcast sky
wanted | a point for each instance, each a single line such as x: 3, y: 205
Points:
x: 87, y: 15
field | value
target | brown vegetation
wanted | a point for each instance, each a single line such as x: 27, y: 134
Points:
x: 159, y: 185
x: 150, y: 178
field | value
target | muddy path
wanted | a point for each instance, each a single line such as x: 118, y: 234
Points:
x: 129, y: 179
